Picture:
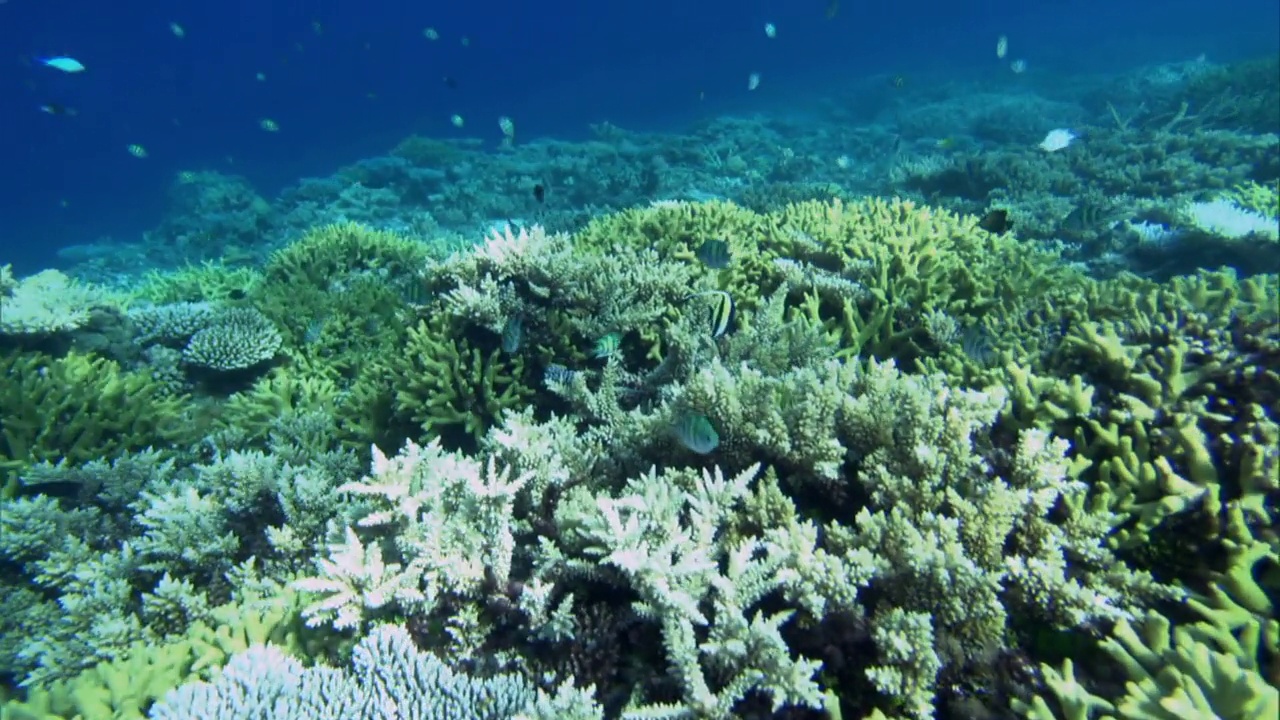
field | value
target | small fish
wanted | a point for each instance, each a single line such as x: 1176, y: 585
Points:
x: 1002, y: 46
x: 177, y: 30
x: 558, y: 375
x: 753, y: 81
x: 269, y: 125
x: 770, y: 30
x: 833, y: 8
x: 260, y: 77
x: 316, y: 27
x: 430, y: 33
x: 539, y: 193
x: 1018, y: 66
x: 607, y: 346
x: 946, y: 143
x: 450, y: 82
x: 695, y: 431
x: 714, y: 254
x: 898, y: 81
x: 137, y: 151
x: 720, y: 314
x: 457, y: 120
x: 63, y: 63
x: 1089, y: 217
x: 512, y: 333
x: 56, y: 109
x: 996, y: 221
x: 466, y: 41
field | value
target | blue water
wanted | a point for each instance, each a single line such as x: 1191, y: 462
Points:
x: 346, y: 80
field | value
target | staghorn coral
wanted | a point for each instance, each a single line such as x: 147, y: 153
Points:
x: 47, y: 303
x: 391, y: 678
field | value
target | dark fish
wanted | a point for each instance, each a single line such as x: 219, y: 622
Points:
x: 696, y: 432
x: 720, y: 314
x: 996, y: 221
x: 512, y: 333
x: 450, y: 82
x: 539, y: 192
x: 714, y: 254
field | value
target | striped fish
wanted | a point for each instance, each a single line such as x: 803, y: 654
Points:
x: 720, y: 314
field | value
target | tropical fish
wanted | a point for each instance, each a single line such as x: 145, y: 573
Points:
x: 63, y: 63
x: 720, y: 315
x: 695, y: 431
x: 714, y: 254
x: 512, y: 333
x: 996, y: 221
x: 1089, y: 217
x: 607, y: 346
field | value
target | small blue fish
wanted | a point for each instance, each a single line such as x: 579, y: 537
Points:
x: 714, y: 254
x: 696, y: 432
x: 512, y: 333
x: 63, y: 63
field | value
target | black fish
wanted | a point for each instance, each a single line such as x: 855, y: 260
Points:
x: 539, y: 192
x: 996, y: 221
x: 714, y: 254
x: 450, y: 82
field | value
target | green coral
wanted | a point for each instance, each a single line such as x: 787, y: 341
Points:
x: 126, y: 688
x: 453, y: 386
x: 80, y: 408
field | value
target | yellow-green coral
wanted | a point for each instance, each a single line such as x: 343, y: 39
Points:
x: 126, y: 688
x: 80, y: 408
x: 1201, y: 670
x: 447, y: 382
x: 207, y: 282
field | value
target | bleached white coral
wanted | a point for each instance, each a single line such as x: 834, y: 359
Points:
x: 1225, y: 219
x: 46, y: 303
x: 453, y: 520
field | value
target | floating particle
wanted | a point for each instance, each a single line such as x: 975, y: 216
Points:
x: 177, y: 30
x: 63, y: 63
x: 137, y: 151
x: 466, y: 41
x: 1002, y: 47
x: 770, y: 31
x: 260, y: 77
x: 753, y: 81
